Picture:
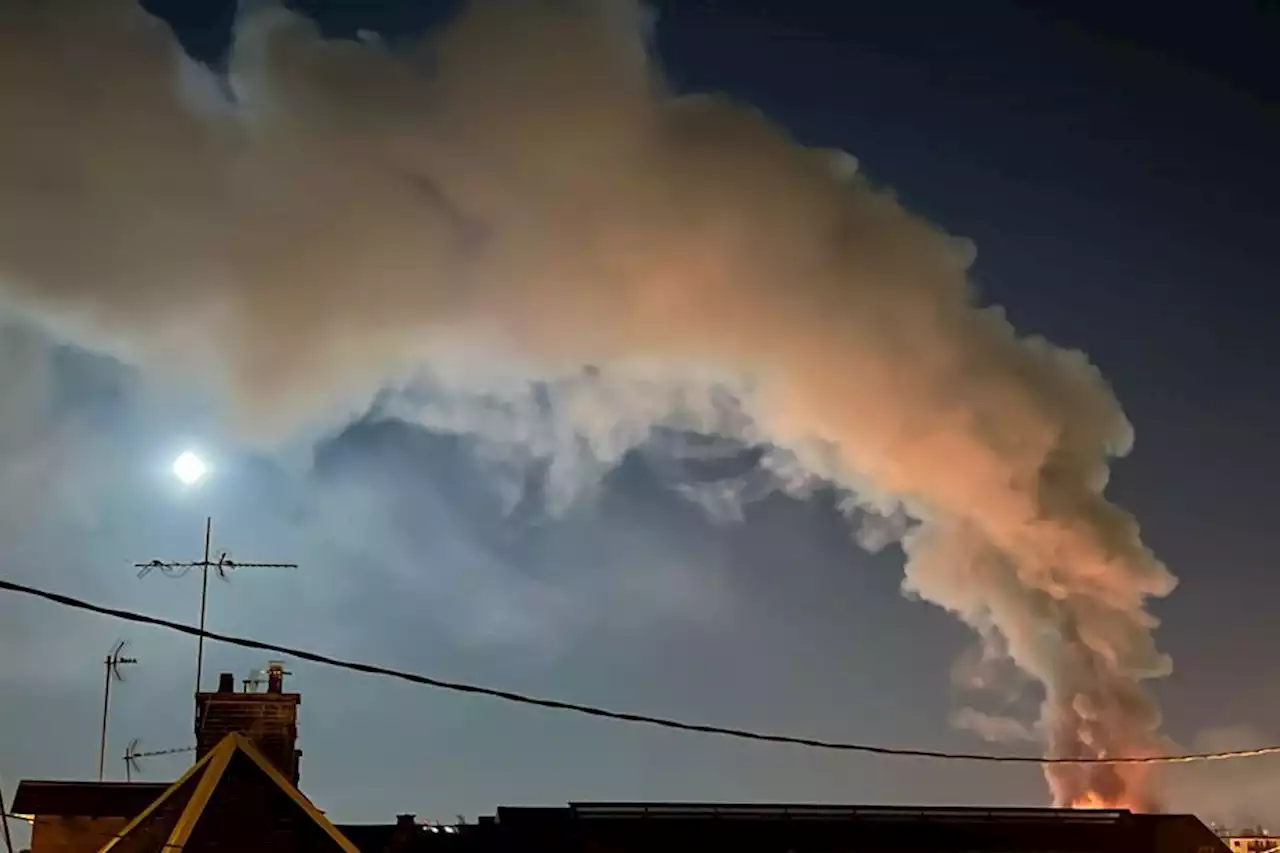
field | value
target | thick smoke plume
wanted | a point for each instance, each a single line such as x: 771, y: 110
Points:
x: 334, y: 216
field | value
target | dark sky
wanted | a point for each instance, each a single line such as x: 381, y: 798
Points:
x: 1117, y: 169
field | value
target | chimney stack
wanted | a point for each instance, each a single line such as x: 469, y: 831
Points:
x: 268, y: 719
x: 405, y: 835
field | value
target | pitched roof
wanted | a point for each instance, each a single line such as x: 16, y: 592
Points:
x: 370, y: 837
x: 232, y: 797
x: 85, y: 799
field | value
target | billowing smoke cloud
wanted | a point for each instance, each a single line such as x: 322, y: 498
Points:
x: 992, y: 727
x: 51, y: 460
x: 522, y: 197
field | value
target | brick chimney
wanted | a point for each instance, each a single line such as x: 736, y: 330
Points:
x: 269, y: 719
x: 405, y: 835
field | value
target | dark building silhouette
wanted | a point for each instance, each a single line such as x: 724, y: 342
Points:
x: 82, y: 817
x: 234, y: 798
x: 242, y: 795
x: 628, y: 828
x: 76, y: 817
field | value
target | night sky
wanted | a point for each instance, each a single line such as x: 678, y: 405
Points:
x: 1117, y: 170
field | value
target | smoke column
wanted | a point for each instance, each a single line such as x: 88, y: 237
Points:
x: 524, y: 193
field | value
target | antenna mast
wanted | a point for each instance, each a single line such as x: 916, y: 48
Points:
x: 221, y: 566
x: 115, y: 659
x: 4, y: 819
x: 131, y: 756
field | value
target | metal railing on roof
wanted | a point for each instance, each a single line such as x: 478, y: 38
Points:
x: 945, y: 814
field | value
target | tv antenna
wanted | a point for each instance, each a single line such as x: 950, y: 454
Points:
x: 221, y: 567
x: 4, y: 820
x: 131, y: 756
x: 114, y: 660
x: 257, y: 678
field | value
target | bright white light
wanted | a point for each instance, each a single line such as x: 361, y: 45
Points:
x: 189, y: 468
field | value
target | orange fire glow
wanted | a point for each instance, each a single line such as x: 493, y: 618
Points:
x: 1096, y: 801
x: 1090, y: 801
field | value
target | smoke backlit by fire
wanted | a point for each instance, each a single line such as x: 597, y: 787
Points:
x: 1096, y: 801
x: 526, y: 183
x: 1092, y: 801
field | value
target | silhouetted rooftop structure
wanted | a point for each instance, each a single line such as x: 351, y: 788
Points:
x: 242, y: 794
x: 626, y: 827
x: 234, y: 798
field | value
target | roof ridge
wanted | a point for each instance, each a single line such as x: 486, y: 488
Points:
x: 197, y: 768
x: 213, y: 767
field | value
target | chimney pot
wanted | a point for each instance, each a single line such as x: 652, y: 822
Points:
x: 226, y: 683
x: 275, y: 677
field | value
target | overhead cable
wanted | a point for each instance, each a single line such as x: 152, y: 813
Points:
x: 621, y: 716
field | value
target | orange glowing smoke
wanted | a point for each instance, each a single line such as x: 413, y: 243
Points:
x: 1097, y: 801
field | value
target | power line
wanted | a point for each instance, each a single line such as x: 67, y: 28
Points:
x: 593, y: 711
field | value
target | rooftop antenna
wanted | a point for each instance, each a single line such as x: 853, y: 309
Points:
x: 257, y: 677
x: 131, y: 756
x: 4, y: 820
x: 221, y: 567
x: 115, y: 659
